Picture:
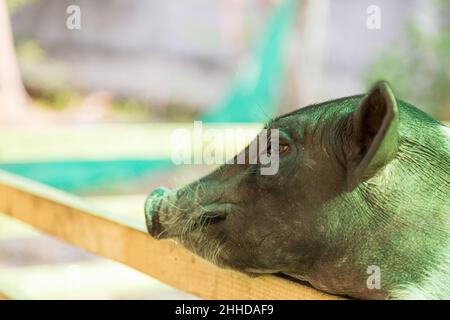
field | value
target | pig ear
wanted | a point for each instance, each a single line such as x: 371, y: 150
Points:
x: 374, y: 134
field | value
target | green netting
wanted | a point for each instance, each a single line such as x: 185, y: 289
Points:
x: 254, y: 95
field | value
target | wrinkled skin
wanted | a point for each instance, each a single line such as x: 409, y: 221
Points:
x: 356, y: 187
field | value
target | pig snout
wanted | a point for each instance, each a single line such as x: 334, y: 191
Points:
x: 177, y: 213
x: 152, y: 207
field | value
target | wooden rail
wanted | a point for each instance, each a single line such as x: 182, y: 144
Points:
x: 115, y: 237
x: 3, y: 297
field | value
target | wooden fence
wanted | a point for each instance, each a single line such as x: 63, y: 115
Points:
x: 115, y: 237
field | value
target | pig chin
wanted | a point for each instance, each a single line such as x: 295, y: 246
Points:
x: 222, y: 253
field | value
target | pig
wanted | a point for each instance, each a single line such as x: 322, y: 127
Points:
x: 360, y: 205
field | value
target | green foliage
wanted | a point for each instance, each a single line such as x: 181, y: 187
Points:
x: 45, y: 79
x: 419, y: 68
x: 14, y: 5
x: 132, y: 108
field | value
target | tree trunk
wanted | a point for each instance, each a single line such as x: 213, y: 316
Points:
x: 13, y: 97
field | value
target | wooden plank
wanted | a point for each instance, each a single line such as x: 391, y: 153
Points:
x: 126, y: 241
x: 4, y: 297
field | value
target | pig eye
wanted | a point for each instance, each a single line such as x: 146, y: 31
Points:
x: 283, y: 148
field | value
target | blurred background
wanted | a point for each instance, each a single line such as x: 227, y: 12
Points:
x: 90, y: 92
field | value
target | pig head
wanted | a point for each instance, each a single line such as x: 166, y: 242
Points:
x: 362, y: 191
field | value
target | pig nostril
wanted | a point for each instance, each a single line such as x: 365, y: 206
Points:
x: 152, y: 206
